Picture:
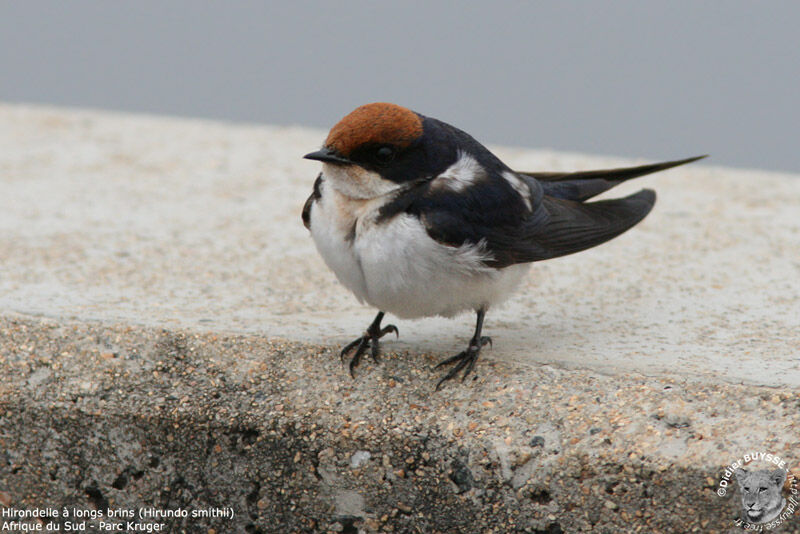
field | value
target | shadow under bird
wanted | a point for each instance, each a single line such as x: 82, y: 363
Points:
x: 417, y: 218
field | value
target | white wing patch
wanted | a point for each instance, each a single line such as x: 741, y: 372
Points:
x: 461, y: 174
x: 519, y: 186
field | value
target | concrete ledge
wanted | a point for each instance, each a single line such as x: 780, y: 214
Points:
x: 119, y: 416
x: 193, y: 224
x: 169, y: 338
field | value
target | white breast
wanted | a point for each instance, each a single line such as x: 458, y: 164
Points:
x: 410, y: 275
x: 396, y: 267
x: 333, y: 220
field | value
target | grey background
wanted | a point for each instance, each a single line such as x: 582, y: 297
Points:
x: 652, y: 79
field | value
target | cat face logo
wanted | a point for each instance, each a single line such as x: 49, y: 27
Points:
x: 762, y: 498
x: 767, y: 487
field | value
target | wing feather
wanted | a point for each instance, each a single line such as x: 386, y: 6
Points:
x: 558, y: 222
x: 583, y: 185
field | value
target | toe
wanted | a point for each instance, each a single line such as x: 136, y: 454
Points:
x: 452, y: 359
x: 356, y: 359
x: 390, y: 328
x: 453, y: 372
x: 469, y: 366
x: 376, y: 351
x: 347, y: 348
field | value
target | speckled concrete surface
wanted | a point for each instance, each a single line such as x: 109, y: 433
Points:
x: 159, y: 298
x: 195, y: 224
x: 122, y: 416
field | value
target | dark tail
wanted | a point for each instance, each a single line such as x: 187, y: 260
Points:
x: 583, y: 185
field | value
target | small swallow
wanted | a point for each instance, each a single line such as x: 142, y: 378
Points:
x: 417, y: 219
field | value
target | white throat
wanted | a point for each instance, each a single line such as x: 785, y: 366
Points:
x: 354, y: 181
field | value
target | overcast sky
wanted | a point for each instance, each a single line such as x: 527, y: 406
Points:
x: 654, y: 79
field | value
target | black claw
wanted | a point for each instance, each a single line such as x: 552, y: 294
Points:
x: 376, y: 351
x: 362, y: 342
x: 450, y: 360
x: 349, y: 347
x: 466, y: 359
x: 390, y: 328
x: 370, y: 339
x: 468, y: 367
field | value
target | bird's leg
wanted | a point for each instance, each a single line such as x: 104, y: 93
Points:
x: 466, y: 359
x: 368, y: 340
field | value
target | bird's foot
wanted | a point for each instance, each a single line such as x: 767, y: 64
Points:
x: 368, y: 341
x: 466, y: 360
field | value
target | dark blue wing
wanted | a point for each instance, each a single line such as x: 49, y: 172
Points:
x: 494, y: 213
x: 555, y: 220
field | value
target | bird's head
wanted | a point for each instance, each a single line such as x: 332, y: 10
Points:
x: 379, y: 147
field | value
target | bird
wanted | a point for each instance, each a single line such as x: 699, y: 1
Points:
x: 417, y: 218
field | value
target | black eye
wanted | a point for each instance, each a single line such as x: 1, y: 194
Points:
x: 384, y: 155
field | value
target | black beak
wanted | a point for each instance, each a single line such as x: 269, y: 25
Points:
x: 327, y: 155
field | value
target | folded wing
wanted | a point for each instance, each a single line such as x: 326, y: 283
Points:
x: 558, y: 222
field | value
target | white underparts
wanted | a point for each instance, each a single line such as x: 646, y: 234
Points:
x: 397, y: 267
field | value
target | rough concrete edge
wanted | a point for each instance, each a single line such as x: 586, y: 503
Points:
x: 88, y: 407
